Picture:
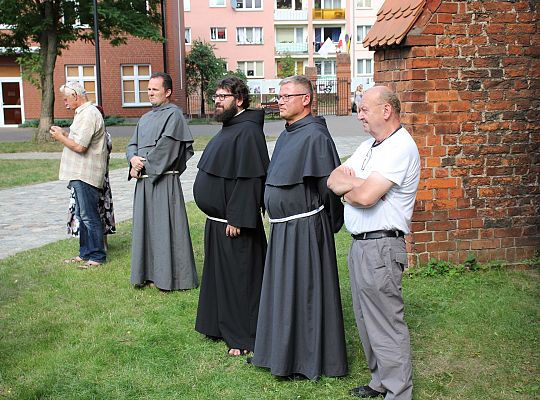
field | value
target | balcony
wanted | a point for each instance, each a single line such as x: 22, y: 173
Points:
x: 290, y: 15
x: 291, y: 48
x: 328, y: 13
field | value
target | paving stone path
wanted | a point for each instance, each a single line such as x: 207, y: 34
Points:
x: 34, y: 215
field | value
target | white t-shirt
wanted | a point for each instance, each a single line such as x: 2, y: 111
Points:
x: 398, y: 160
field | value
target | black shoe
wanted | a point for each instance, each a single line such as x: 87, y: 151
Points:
x: 365, y: 392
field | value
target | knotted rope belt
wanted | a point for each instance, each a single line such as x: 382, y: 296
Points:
x: 296, y: 216
x: 165, y: 173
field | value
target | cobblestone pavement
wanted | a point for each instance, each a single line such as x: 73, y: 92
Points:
x: 34, y: 215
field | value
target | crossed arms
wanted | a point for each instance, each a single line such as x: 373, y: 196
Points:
x: 358, y: 192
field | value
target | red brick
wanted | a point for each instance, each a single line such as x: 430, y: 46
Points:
x: 440, y: 225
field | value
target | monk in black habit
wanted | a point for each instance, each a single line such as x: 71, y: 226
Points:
x: 229, y: 190
x: 300, y: 326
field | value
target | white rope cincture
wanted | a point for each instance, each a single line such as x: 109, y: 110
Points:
x: 290, y: 218
x: 165, y: 173
x: 217, y: 219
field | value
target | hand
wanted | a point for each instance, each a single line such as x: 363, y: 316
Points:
x: 57, y: 132
x: 137, y: 163
x: 348, y: 171
x: 133, y: 173
x: 232, y: 231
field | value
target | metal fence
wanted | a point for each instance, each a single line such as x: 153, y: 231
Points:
x: 333, y: 98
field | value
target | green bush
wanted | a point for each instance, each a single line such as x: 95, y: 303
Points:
x: 34, y: 123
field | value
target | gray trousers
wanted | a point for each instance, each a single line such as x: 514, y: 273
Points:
x: 375, y: 268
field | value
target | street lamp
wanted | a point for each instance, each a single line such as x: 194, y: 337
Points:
x: 98, y: 63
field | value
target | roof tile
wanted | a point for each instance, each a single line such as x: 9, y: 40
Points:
x: 394, y: 20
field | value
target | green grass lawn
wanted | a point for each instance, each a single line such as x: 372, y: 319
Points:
x: 119, y: 145
x: 26, y: 172
x: 73, y: 334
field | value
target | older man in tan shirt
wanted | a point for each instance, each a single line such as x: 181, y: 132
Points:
x: 83, y: 164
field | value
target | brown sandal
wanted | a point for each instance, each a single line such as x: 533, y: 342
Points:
x: 89, y: 264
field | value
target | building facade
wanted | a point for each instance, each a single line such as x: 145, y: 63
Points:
x: 125, y: 71
x: 255, y: 35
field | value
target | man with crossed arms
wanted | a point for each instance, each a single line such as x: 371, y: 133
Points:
x: 378, y: 184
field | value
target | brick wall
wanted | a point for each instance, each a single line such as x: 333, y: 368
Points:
x: 468, y: 76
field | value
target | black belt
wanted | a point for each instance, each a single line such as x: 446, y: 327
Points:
x: 377, y: 235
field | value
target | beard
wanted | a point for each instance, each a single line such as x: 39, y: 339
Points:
x: 227, y: 114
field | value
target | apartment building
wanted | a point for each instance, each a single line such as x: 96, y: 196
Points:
x: 255, y: 35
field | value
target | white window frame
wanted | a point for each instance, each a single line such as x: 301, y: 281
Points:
x: 364, y: 4
x: 245, y: 68
x: 333, y: 5
x: 135, y: 78
x: 240, y: 5
x: 4, y: 106
x: 361, y: 32
x: 298, y: 33
x: 81, y: 78
x: 323, y: 67
x: 187, y: 35
x: 214, y: 33
x: 303, y: 3
x: 364, y: 62
x: 187, y: 5
x: 242, y: 31
x: 217, y: 3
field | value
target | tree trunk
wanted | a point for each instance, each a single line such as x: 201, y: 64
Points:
x: 48, y: 53
x: 203, y: 112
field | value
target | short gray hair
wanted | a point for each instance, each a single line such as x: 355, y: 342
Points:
x: 300, y: 80
x: 75, y: 87
x: 390, y: 97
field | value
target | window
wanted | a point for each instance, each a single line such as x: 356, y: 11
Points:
x: 78, y: 13
x: 361, y: 32
x: 325, y: 67
x: 86, y: 76
x: 325, y: 4
x: 364, y: 66
x: 363, y: 3
x: 217, y: 3
x: 298, y: 67
x: 252, y: 69
x: 249, y: 35
x: 248, y: 4
x: 321, y: 34
x: 187, y: 5
x: 187, y: 34
x: 289, y: 4
x: 218, y: 34
x: 290, y: 35
x: 135, y: 84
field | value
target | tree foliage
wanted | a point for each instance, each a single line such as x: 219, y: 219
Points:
x: 51, y: 25
x: 203, y: 69
x: 286, y: 67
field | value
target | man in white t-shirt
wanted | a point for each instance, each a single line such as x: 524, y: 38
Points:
x: 378, y: 184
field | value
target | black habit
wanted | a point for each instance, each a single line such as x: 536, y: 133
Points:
x: 229, y: 186
x: 300, y: 325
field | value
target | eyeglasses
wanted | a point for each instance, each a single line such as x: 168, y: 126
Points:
x: 367, y: 158
x: 286, y: 97
x: 221, y: 97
